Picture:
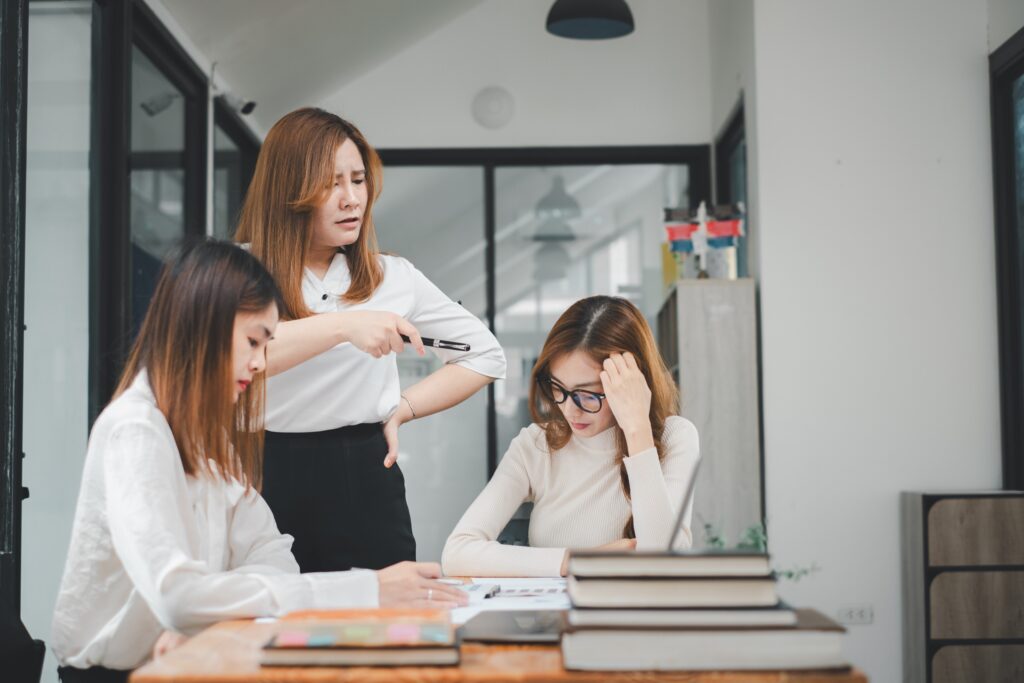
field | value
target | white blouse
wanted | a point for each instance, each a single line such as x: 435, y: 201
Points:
x: 578, y: 501
x: 344, y: 386
x: 155, y: 549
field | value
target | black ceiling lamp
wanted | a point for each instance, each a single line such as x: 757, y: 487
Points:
x: 590, y: 19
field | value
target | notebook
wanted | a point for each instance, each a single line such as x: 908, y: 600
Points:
x: 363, y: 638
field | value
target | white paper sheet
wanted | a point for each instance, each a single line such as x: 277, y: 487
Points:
x: 517, y: 594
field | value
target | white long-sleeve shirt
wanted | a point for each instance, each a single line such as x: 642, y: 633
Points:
x: 155, y: 549
x: 578, y: 501
x: 344, y: 386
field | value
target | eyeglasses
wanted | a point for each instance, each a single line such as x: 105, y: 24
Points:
x: 587, y: 401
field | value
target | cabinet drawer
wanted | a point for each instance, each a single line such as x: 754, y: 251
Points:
x: 969, y: 531
x: 988, y: 663
x: 977, y: 605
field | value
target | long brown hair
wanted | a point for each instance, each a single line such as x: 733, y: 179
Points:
x: 294, y: 174
x: 600, y: 326
x: 185, y: 347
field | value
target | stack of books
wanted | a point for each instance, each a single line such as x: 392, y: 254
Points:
x: 711, y: 609
x: 379, y: 637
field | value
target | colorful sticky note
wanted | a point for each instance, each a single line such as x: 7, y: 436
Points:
x: 403, y: 633
x: 291, y: 639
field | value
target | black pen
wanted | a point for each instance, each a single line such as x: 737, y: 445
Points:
x: 439, y: 343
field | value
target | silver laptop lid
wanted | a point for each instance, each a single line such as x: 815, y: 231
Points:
x: 682, y: 509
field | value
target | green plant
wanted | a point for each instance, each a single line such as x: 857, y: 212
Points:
x: 797, y: 573
x: 755, y: 538
x: 712, y: 538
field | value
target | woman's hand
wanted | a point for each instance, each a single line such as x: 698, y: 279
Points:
x: 402, y: 415
x: 629, y: 398
x: 378, y: 333
x: 412, y: 585
x: 620, y: 546
x: 167, y: 641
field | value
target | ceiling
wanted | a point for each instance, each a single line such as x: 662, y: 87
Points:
x: 286, y: 54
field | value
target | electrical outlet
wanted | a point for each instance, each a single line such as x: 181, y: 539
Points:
x: 855, y: 614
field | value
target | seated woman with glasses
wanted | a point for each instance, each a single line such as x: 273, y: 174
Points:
x: 606, y: 462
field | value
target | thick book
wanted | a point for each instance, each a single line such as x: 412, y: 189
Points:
x: 364, y: 638
x: 814, y: 643
x: 692, y: 591
x: 779, y: 616
x: 711, y: 562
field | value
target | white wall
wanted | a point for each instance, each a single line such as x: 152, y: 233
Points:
x: 1005, y: 17
x: 650, y: 87
x: 877, y: 286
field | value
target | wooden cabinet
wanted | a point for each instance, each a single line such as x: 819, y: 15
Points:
x: 707, y: 333
x: 963, y: 586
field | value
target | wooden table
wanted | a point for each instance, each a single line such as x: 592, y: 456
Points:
x: 229, y: 652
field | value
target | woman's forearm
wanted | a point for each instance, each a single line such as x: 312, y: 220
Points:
x: 296, y: 341
x: 443, y: 389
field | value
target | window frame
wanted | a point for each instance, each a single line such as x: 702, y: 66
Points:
x: 697, y: 157
x: 13, y: 141
x: 1006, y: 65
x: 118, y: 26
x: 734, y: 134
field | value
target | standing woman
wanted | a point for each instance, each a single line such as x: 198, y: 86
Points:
x: 334, y: 403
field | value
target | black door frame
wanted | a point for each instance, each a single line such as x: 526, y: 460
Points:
x: 733, y: 134
x: 1006, y: 65
x: 697, y: 157
x: 13, y: 83
x: 118, y: 26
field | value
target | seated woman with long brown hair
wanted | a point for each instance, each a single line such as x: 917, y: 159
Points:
x: 606, y: 462
x: 170, y: 531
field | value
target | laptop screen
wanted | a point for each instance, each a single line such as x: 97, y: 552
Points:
x: 682, y: 508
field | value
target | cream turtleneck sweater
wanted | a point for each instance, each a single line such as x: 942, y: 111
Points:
x: 578, y: 501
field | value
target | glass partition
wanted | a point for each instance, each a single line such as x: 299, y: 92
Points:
x: 564, y: 233
x: 57, y: 205
x: 157, y: 202
x: 434, y: 216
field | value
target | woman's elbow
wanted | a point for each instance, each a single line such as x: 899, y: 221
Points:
x: 178, y: 615
x: 455, y: 556
x: 450, y: 559
x: 178, y: 606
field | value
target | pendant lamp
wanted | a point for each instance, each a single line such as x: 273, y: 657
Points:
x: 590, y: 19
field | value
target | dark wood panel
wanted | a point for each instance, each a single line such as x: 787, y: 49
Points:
x: 973, y: 531
x: 977, y: 605
x: 987, y: 663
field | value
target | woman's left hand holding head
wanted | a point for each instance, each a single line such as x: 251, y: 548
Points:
x: 629, y: 399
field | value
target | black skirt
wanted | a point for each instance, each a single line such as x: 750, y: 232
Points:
x: 331, y: 491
